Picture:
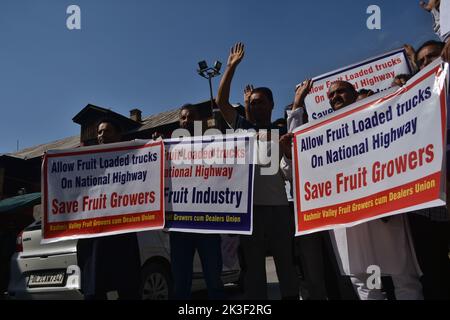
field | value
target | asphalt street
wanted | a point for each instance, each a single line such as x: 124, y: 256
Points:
x: 233, y: 292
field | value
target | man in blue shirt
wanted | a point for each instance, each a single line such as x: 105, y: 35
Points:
x: 273, y: 221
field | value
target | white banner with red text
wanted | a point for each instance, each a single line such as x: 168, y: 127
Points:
x: 378, y: 157
x: 103, y: 190
x: 376, y: 74
x: 209, y: 184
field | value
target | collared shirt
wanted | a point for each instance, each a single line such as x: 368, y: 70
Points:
x: 269, y: 190
x: 242, y: 123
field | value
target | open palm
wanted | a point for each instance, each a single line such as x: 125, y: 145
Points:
x: 236, y: 54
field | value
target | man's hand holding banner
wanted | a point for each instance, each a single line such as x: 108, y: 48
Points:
x: 379, y: 157
x: 209, y: 184
x: 103, y: 190
x: 204, y: 183
x: 375, y: 74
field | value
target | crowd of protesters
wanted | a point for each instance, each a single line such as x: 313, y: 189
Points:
x: 412, y: 249
x: 414, y: 255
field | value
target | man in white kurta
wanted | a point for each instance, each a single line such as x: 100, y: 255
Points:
x: 384, y: 243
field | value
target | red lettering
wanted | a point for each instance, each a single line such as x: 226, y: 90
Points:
x: 316, y: 191
x: 430, y: 153
x: 412, y: 160
x: 403, y: 163
x: 64, y: 207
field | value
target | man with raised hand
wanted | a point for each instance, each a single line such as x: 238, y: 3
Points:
x: 356, y: 248
x: 441, y: 26
x: 273, y: 222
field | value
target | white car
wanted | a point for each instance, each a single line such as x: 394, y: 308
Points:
x: 50, y: 271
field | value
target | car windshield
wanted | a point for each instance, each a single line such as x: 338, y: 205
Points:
x: 34, y: 226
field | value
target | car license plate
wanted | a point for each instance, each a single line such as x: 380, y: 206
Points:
x: 47, y: 279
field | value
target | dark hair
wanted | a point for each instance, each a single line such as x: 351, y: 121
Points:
x: 430, y: 43
x: 404, y: 76
x: 348, y: 85
x: 189, y: 107
x: 365, y: 91
x: 116, y: 125
x: 266, y: 91
x: 280, y: 121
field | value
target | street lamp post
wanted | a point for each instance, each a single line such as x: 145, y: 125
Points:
x: 209, y: 73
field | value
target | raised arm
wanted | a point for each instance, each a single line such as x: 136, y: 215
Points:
x: 223, y: 94
x: 432, y: 4
x: 411, y: 54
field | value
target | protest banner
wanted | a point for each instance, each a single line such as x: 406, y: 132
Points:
x: 378, y: 157
x: 375, y: 74
x: 103, y: 190
x: 444, y: 19
x: 209, y: 184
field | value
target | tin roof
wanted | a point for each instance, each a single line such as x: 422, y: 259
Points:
x: 39, y: 150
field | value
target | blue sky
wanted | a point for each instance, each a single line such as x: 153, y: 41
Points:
x: 144, y: 53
